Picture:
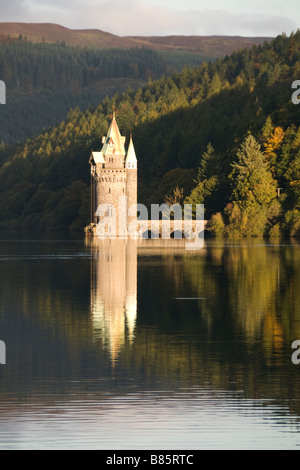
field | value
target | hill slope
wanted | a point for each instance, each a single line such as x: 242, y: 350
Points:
x: 48, y: 69
x: 45, y: 80
x: 216, y: 46
x: 45, y: 184
x: 52, y: 33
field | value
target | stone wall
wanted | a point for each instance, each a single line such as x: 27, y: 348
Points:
x: 111, y: 185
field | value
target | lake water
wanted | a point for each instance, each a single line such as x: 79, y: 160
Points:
x: 126, y: 345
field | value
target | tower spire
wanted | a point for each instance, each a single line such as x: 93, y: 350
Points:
x: 113, y: 143
x: 131, y: 156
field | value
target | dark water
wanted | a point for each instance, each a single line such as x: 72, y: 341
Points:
x: 118, y: 345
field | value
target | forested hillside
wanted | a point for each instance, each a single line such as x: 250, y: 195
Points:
x: 45, y: 80
x: 225, y: 133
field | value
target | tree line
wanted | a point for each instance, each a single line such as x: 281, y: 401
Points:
x: 45, y: 80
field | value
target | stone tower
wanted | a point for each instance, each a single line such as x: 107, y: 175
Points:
x: 114, y: 174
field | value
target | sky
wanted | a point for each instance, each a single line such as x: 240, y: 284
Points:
x: 161, y: 17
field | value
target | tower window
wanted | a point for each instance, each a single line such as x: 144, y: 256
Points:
x: 109, y: 191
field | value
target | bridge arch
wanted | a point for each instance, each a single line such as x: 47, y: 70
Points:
x: 150, y: 234
x: 177, y: 234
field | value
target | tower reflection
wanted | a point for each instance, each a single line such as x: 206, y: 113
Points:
x: 113, y: 292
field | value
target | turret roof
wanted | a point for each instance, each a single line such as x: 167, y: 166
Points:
x: 131, y: 156
x: 113, y: 143
x: 98, y: 157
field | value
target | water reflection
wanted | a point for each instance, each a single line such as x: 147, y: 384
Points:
x: 113, y: 292
x: 144, y: 332
x: 256, y: 286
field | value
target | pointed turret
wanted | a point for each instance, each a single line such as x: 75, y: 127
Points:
x: 131, y: 160
x: 131, y: 183
x: 113, y: 143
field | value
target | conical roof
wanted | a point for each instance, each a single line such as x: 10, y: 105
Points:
x: 131, y: 156
x: 113, y: 143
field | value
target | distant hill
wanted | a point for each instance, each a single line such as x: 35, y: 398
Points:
x: 51, y: 33
x: 217, y: 46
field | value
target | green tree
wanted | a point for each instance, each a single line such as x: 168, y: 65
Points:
x: 251, y: 177
x: 207, y: 182
x: 254, y: 191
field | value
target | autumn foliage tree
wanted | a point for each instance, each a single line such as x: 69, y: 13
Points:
x: 271, y: 145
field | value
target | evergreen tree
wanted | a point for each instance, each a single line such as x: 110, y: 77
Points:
x: 253, y: 207
x: 207, y: 182
x: 251, y: 177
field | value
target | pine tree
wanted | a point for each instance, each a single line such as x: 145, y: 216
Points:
x: 207, y: 182
x: 252, y: 179
x: 207, y: 166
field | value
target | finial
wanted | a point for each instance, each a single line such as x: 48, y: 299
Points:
x: 114, y: 111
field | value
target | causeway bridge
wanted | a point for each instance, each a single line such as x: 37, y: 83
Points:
x: 153, y: 229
